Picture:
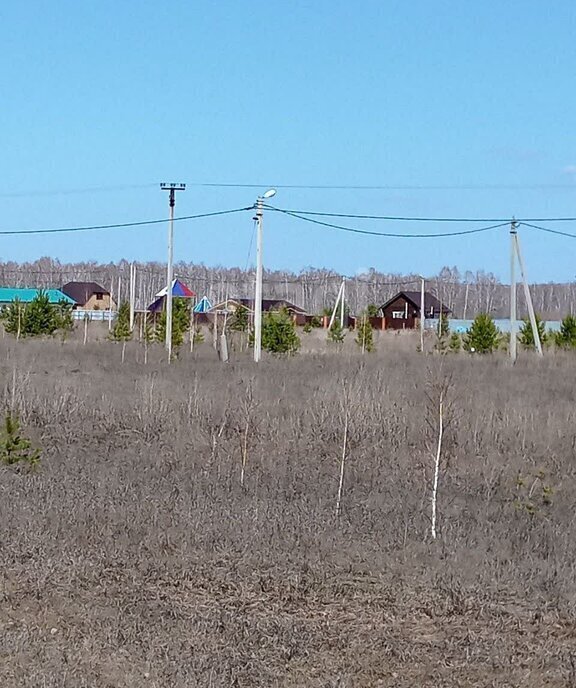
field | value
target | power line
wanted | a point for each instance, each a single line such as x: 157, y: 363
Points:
x: 388, y: 187
x: 327, y: 187
x: 305, y: 217
x: 547, y: 229
x: 422, y: 219
x: 355, y: 230
x: 392, y: 217
x: 69, y: 192
x: 250, y: 245
x: 122, y: 225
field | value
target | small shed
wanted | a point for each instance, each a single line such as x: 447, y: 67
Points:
x: 402, y: 311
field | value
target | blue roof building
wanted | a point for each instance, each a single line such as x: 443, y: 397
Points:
x: 9, y: 294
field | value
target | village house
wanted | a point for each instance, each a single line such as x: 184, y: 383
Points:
x: 299, y: 315
x: 8, y: 295
x: 402, y: 311
x: 89, y: 296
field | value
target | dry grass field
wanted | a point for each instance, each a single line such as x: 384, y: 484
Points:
x: 134, y: 556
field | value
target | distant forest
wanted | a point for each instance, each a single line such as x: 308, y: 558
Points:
x: 314, y: 289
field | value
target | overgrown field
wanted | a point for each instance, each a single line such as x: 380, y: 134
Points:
x: 134, y: 556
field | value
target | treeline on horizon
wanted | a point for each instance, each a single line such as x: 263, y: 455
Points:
x: 466, y: 294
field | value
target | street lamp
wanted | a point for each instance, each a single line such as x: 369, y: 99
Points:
x: 258, y: 289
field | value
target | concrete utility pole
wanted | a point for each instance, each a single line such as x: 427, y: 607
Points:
x: 513, y: 343
x: 258, y: 287
x: 171, y: 188
x: 422, y: 313
x: 343, y: 304
x: 110, y: 305
x: 132, y: 294
x: 531, y: 314
x: 516, y: 254
x: 338, y: 304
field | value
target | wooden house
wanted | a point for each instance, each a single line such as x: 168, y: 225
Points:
x: 268, y: 306
x: 89, y: 296
x: 402, y: 311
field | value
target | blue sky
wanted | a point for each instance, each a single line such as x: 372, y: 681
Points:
x: 103, y: 94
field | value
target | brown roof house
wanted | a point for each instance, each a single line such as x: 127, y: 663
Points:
x: 402, y: 312
x: 89, y: 296
x: 230, y: 305
x: 268, y: 305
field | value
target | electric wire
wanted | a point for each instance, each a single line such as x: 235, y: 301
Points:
x: 387, y: 187
x: 327, y: 187
x: 121, y: 225
x: 249, y: 254
x: 305, y: 216
x: 397, y: 235
x: 401, y: 218
x: 73, y: 191
x: 548, y: 229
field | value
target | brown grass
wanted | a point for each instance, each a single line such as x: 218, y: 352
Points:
x: 134, y: 557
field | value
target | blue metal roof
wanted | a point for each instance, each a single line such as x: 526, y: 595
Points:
x: 9, y: 294
x: 203, y: 306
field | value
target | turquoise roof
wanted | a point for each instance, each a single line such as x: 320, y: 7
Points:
x: 203, y: 306
x: 8, y: 294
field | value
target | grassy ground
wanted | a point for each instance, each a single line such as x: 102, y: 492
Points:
x: 135, y: 557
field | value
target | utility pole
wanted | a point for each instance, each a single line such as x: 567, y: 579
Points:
x: 342, y: 307
x: 171, y: 188
x: 110, y: 304
x: 423, y: 313
x: 513, y: 343
x: 531, y: 314
x: 339, y: 297
x: 258, y: 287
x: 132, y: 294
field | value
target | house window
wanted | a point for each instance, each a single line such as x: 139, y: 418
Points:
x: 398, y: 314
x: 99, y: 296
